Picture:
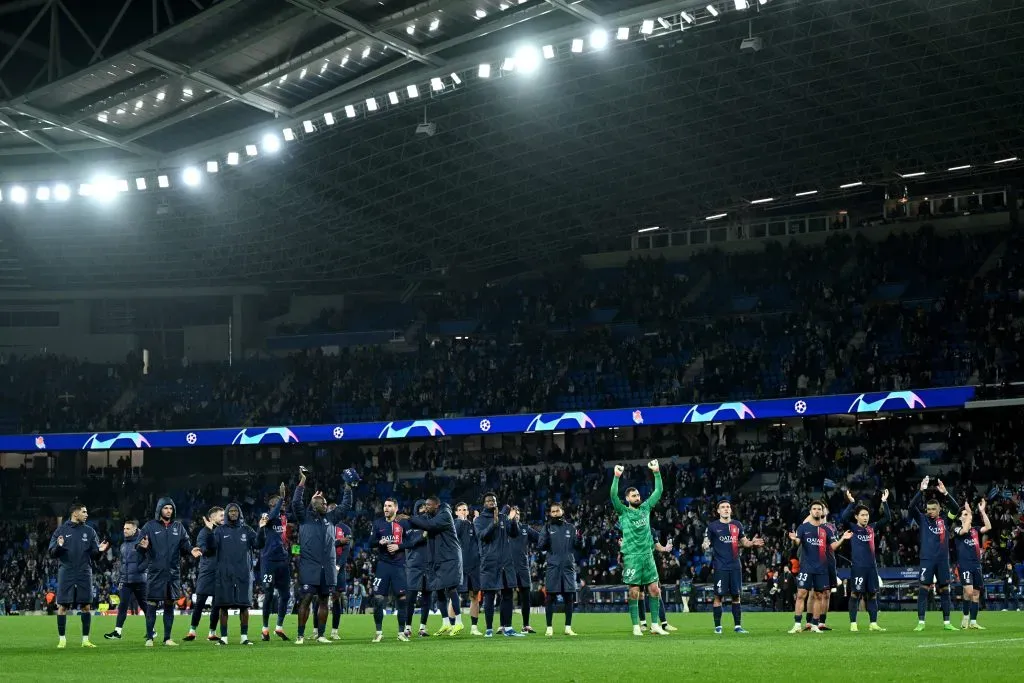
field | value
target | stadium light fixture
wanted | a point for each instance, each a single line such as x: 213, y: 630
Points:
x: 271, y: 145
x: 436, y: 84
x: 308, y: 126
x: 765, y: 200
x: 806, y: 193
x: 122, y: 185
x: 503, y: 6
x: 344, y: 60
x: 577, y: 45
x: 1005, y: 161
x: 302, y: 74
x: 959, y: 168
x: 329, y: 119
x: 102, y: 117
x: 120, y: 111
x: 104, y: 188
x: 163, y: 182
x: 741, y: 4
x: 140, y: 184
x: 712, y: 10
x: 651, y: 229
x: 43, y: 193
x: 212, y: 167
x: 548, y: 51
x: 622, y: 33
x: 138, y: 104
x: 687, y: 17
x: 456, y: 79
x: 371, y: 104
x: 847, y: 186
x: 85, y: 189
x: 410, y: 29
x: 508, y: 64
x: 191, y: 176
x: 160, y: 96
x: 412, y: 91
x: 484, y: 71
x: 323, y: 67
x: 61, y: 192
x: 19, y: 195
x: 232, y: 159
x: 915, y: 174
x: 598, y: 39
x: 366, y: 52
x: 186, y: 92
x: 350, y: 111
x: 526, y: 59
x: 435, y: 24
x: 647, y: 28
x: 393, y: 97
x: 288, y: 134
x: 715, y: 217
x: 762, y: 2
x: 480, y: 14
x: 251, y: 151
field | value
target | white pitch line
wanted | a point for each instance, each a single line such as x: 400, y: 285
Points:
x: 973, y: 642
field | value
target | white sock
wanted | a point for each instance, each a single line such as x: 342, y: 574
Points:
x: 243, y: 639
x: 945, y: 621
x: 85, y: 639
x: 212, y: 632
x: 117, y: 629
x: 458, y: 619
x: 63, y: 639
x: 921, y: 621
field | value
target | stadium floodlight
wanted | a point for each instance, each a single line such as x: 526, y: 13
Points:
x: 577, y: 45
x: 847, y: 186
x: 102, y: 117
x: 191, y: 176
x: 762, y: 2
x: 366, y: 52
x: 186, y: 92
x: 764, y: 200
x: 651, y: 229
x: 715, y: 217
x: 480, y: 14
x: 232, y: 159
x: 212, y: 167
x: 160, y: 96
x: 436, y: 84
x: 393, y: 97
x: 19, y: 195
x: 647, y: 28
x: 271, y: 145
x: 456, y: 79
x: 251, y: 151
x: 435, y: 24
x: 548, y: 51
x: 288, y: 134
x: 508, y: 64
x: 302, y: 74
x: 138, y: 104
x: 687, y: 17
x: 329, y: 119
x: 43, y: 193
x: 959, y: 168
x: 350, y: 111
x: 163, y: 182
x: 598, y: 38
x: 915, y: 174
x: 1006, y: 160
x: 85, y: 189
x: 484, y: 71
x: 527, y: 59
x: 371, y: 104
x: 61, y: 192
x: 120, y: 111
x: 323, y: 67
x: 104, y: 188
x: 741, y: 4
x: 712, y: 10
x: 410, y: 29
x: 412, y: 91
x: 622, y: 33
x: 503, y: 6
x: 806, y: 193
x: 122, y: 184
x: 308, y: 126
x: 344, y: 60
x: 140, y: 184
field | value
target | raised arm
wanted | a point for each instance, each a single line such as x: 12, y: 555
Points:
x: 886, y: 516
x: 484, y: 529
x: 617, y: 503
x: 335, y: 515
x: 658, y: 487
x: 298, y: 501
x: 986, y: 525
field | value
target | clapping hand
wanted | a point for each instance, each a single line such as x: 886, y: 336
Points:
x: 264, y: 518
x: 197, y: 553
x: 847, y: 535
x: 302, y: 475
x: 208, y: 523
x: 104, y: 546
x: 849, y: 496
x: 392, y: 548
x: 981, y: 505
x: 885, y: 496
x: 942, y: 487
x: 60, y: 541
x: 924, y: 484
x: 144, y: 543
x: 757, y: 541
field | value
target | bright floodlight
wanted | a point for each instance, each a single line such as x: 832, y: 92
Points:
x: 288, y: 134
x: 271, y: 144
x: 164, y: 182
x: 19, y: 195
x: 371, y: 104
x: 712, y: 10
x: 456, y: 79
x: 366, y: 52
x: 329, y: 119
x: 140, y: 184
x: 484, y: 71
x: 741, y: 4
x: 250, y: 150
x: 434, y: 24
x: 508, y: 64
x: 61, y: 192
x: 85, y: 189
x: 480, y: 14
x: 43, y: 193
x: 647, y: 28
x: 622, y: 33
x: 393, y: 97
x: 548, y: 51
x: 232, y: 159
x: 410, y: 29
x: 685, y: 16
x: 527, y: 59
x: 104, y: 188
x: 436, y: 84
x: 191, y: 176
x: 577, y: 45
x: 308, y: 127
x: 412, y: 91
x: 598, y: 38
x: 212, y: 167
x: 350, y: 111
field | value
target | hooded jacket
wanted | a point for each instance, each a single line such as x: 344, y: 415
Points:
x: 168, y: 543
x: 445, y: 550
x: 495, y: 531
x: 417, y: 554
x: 317, y: 556
x: 233, y: 543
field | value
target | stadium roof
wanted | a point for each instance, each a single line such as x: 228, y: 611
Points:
x: 669, y: 122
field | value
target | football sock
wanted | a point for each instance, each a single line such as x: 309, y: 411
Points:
x: 489, y: 609
x: 634, y: 612
x: 62, y: 625
x: 922, y: 603
x: 946, y: 607
x: 569, y: 600
x: 549, y: 608
x: 86, y: 624
x: 168, y: 619
x: 974, y: 611
x: 150, y: 621
x: 737, y: 614
x: 872, y: 606
x: 717, y: 609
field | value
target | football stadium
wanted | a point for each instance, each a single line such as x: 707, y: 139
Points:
x: 519, y: 340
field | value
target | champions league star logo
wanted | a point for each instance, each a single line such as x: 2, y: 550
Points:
x: 124, y: 440
x: 578, y: 420
x: 283, y: 434
x: 429, y: 426
x: 733, y: 411
x: 908, y: 399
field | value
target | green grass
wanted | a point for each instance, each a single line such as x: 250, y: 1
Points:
x: 605, y: 650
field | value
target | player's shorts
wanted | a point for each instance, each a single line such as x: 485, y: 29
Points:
x: 728, y: 582
x: 833, y: 577
x: 934, y: 571
x: 317, y: 590
x: 970, y: 575
x: 639, y: 569
x: 815, y: 581
x: 276, y: 575
x: 470, y: 581
x: 388, y: 579
x: 864, y: 580
x: 74, y: 595
x: 342, y: 582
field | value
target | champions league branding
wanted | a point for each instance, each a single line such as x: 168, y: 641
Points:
x: 893, y: 400
x: 728, y: 411
x: 122, y: 440
x: 258, y: 436
x: 563, y: 420
x: 417, y: 428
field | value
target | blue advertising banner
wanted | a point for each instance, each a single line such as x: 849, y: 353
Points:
x: 523, y: 423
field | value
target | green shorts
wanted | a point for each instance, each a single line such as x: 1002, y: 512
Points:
x: 639, y: 570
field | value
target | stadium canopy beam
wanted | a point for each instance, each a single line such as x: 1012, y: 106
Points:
x: 28, y: 135
x: 577, y: 11
x: 352, y: 24
x: 87, y: 131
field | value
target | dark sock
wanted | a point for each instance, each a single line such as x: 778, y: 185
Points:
x: 424, y: 607
x: 456, y: 606
x: 214, y: 616
x: 872, y: 605
x: 400, y: 610
x: 854, y: 606
x: 223, y: 623
x: 974, y: 610
x: 524, y: 606
x: 410, y: 606
x: 62, y: 625
x: 549, y: 608
x: 814, y: 621
x: 641, y: 609
x: 168, y: 620
x: 150, y: 622
x: 821, y: 619
x: 506, y: 608
x: 335, y: 614
x: 489, y: 609
x: 570, y: 607
x: 737, y: 613
x: 321, y: 618
x: 243, y: 618
x: 474, y: 620
x: 798, y: 618
x: 945, y: 603
x: 922, y: 603
x: 122, y: 613
x: 717, y: 610
x: 661, y: 611
x: 966, y: 605
x: 268, y: 606
x: 86, y: 623
x: 282, y: 609
x: 378, y: 615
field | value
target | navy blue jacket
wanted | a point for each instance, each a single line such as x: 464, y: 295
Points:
x: 521, y: 553
x: 233, y: 543
x: 417, y: 557
x: 276, y: 549
x: 206, y: 577
x: 133, y: 564
x: 470, y: 545
x: 316, y: 539
x: 445, y: 550
x: 168, y: 543
x: 81, y: 547
x: 560, y: 540
x: 495, y: 532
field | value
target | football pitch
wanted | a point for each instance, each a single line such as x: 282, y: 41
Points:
x: 604, y: 650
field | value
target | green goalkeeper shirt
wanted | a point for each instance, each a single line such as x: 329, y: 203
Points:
x: 636, y: 522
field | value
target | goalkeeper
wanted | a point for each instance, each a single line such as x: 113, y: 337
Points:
x: 638, y: 568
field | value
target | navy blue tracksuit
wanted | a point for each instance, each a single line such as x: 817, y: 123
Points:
x: 521, y: 555
x: 74, y: 578
x: 168, y: 543
x: 495, y: 532
x: 417, y: 560
x: 206, y: 577
x: 274, y: 558
x: 132, y: 576
x: 445, y: 551
x: 318, y: 573
x: 233, y: 543
x: 560, y: 541
x: 470, y: 555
